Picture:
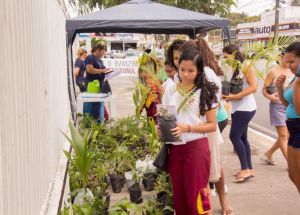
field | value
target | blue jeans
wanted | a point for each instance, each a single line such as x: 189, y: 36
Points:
x: 238, y: 137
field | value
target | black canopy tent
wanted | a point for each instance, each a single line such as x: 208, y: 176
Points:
x: 139, y: 16
x: 144, y: 16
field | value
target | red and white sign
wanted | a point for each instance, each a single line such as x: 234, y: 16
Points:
x: 127, y: 67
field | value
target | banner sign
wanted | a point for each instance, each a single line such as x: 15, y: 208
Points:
x: 127, y: 67
x: 264, y: 30
x: 245, y: 31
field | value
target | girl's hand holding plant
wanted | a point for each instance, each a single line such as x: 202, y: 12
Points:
x: 280, y: 81
x: 181, y: 128
x: 232, y: 97
x: 274, y: 98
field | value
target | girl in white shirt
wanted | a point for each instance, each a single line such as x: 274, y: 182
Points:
x: 213, y: 72
x: 243, y: 108
x: 189, y: 162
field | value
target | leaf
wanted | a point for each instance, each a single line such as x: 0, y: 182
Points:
x: 87, y: 210
x: 67, y: 154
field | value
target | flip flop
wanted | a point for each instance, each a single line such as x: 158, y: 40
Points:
x: 236, y: 174
x: 240, y: 180
x: 268, y: 161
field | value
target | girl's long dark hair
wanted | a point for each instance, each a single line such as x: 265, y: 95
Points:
x: 294, y: 48
x: 208, y: 89
x: 175, y: 46
x: 206, y: 53
x: 232, y: 49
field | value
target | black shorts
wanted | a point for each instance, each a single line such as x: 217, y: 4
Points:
x: 293, y: 126
x: 222, y: 124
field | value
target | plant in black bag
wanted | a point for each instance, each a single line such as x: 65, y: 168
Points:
x: 135, y: 192
x: 166, y: 121
x: 236, y: 85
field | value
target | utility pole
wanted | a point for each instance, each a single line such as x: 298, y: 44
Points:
x: 276, y: 18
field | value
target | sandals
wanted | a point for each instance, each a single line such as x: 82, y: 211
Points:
x: 268, y: 161
x: 240, y: 180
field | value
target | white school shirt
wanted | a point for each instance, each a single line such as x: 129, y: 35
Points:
x: 211, y: 76
x: 189, y: 113
x: 247, y: 103
x: 167, y: 83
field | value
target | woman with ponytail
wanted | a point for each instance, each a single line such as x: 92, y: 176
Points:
x: 189, y: 159
x: 243, y: 108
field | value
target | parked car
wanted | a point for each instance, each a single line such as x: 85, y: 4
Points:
x: 118, y: 54
x: 108, y: 54
x: 131, y: 54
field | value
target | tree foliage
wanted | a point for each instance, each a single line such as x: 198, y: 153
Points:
x: 212, y: 7
x: 236, y: 18
x: 295, y: 3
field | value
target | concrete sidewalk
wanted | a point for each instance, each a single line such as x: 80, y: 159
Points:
x: 270, y: 192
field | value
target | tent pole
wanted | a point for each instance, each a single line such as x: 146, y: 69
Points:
x: 227, y: 33
x: 71, y: 87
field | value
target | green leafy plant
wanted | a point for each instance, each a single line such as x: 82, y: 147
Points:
x: 71, y: 209
x: 125, y: 207
x: 151, y: 207
x: 154, y: 144
x: 257, y: 51
x: 139, y: 98
x: 81, y: 157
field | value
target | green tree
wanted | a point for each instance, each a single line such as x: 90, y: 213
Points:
x: 220, y: 7
x: 236, y: 18
x: 295, y: 3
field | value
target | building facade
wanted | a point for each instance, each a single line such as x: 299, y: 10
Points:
x: 289, y: 25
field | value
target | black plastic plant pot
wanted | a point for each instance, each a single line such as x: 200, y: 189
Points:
x: 123, y: 180
x: 165, y: 125
x: 236, y: 85
x: 225, y: 88
x: 116, y: 182
x: 148, y: 181
x: 135, y: 193
x: 167, y: 212
x: 271, y: 89
x: 161, y: 198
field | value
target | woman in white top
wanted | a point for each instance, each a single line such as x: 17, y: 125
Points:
x: 243, y: 108
x: 189, y: 162
x: 213, y: 72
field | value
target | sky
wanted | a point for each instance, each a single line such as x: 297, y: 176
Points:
x: 254, y: 7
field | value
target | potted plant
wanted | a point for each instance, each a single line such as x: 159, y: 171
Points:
x: 120, y: 160
x: 151, y: 207
x: 135, y: 191
x: 81, y: 159
x: 148, y: 173
x: 124, y: 206
x: 163, y: 188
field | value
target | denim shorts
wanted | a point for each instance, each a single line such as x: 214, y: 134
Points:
x: 293, y: 126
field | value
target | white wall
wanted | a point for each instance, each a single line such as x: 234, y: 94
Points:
x: 34, y: 102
